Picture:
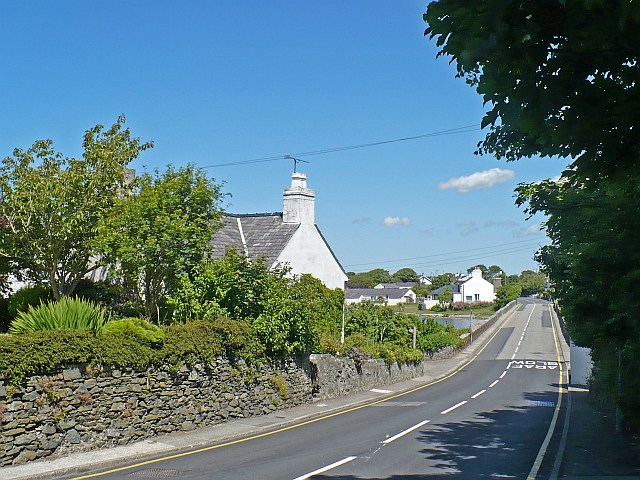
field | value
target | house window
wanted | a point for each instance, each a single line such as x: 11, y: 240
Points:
x: 468, y: 298
x: 477, y: 297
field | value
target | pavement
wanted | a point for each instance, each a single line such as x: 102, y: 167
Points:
x: 586, y: 442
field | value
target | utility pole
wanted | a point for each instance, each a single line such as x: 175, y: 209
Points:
x: 470, y: 325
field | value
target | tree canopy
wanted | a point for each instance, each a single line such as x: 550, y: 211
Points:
x: 53, y: 204
x: 161, y: 229
x: 560, y: 78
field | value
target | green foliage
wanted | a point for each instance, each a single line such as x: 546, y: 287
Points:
x: 441, y: 280
x: 113, y: 297
x: 159, y: 232
x: 28, y: 297
x: 445, y: 297
x: 405, y: 275
x: 368, y: 279
x: 377, y: 331
x: 44, y: 352
x: 560, y: 79
x: 48, y: 351
x: 233, y: 284
x: 5, y: 318
x: 507, y: 293
x: 532, y: 283
x: 53, y: 204
x: 142, y: 330
x: 66, y: 313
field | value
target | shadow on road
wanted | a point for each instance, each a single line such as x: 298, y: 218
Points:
x: 496, y: 444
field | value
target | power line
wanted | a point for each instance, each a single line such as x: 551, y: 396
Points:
x: 442, y: 254
x: 451, y: 131
x: 470, y: 258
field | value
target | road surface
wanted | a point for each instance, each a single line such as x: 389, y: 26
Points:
x: 490, y: 419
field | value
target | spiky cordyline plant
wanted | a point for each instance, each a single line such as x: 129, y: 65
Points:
x: 66, y: 313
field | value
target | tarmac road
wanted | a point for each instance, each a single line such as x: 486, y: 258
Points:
x: 490, y: 419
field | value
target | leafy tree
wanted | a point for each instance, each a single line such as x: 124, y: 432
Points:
x: 161, y: 230
x: 53, y: 204
x: 482, y: 268
x: 369, y: 279
x: 494, y: 271
x: 507, y: 293
x: 441, y: 280
x: 560, y: 79
x: 405, y: 275
x: 446, y: 297
x: 532, y: 282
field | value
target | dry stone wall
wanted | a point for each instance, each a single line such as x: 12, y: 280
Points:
x: 335, y: 377
x: 82, y: 409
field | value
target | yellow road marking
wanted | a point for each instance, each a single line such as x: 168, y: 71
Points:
x: 297, y: 425
x: 545, y: 444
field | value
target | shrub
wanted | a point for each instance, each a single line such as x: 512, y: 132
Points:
x: 66, y: 313
x: 141, y: 329
x: 28, y: 297
x: 113, y: 297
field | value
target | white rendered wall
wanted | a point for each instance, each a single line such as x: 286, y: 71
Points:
x: 477, y: 285
x: 307, y: 252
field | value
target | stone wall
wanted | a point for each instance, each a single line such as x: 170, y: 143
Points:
x: 335, y: 377
x: 81, y: 409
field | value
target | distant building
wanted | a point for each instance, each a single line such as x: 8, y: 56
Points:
x: 387, y: 296
x: 405, y: 285
x: 468, y: 288
x: 289, y: 237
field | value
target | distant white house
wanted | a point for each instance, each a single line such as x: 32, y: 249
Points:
x: 388, y: 296
x: 289, y: 237
x: 468, y: 288
x: 405, y: 285
x: 424, y: 280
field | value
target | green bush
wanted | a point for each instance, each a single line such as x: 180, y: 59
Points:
x: 28, y: 297
x: 49, y: 351
x: 113, y: 297
x: 5, y: 318
x: 136, y: 327
x: 66, y: 313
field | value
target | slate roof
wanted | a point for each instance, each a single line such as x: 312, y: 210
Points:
x: 265, y: 235
x: 387, y: 293
x: 405, y: 285
x: 453, y: 287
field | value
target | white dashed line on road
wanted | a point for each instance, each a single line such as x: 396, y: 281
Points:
x: 503, y: 374
x: 478, y: 394
x: 444, y: 412
x: 494, y: 384
x: 325, y: 469
x: 404, y: 432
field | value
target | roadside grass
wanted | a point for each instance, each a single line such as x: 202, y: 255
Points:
x: 481, y: 311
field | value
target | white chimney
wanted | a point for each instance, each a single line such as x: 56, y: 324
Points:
x: 299, y: 201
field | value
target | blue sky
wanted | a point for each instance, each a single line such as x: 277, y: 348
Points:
x: 219, y: 82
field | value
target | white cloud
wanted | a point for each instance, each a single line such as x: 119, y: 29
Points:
x: 535, y: 229
x: 468, y: 227
x: 486, y: 179
x: 392, y: 221
x: 494, y: 223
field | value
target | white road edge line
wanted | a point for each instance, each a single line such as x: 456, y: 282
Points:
x: 494, y: 384
x: 380, y: 390
x: 404, y: 432
x: 478, y: 394
x: 453, y: 408
x: 503, y: 374
x: 324, y: 469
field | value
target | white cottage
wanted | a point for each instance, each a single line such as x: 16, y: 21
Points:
x: 288, y: 237
x: 468, y: 288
